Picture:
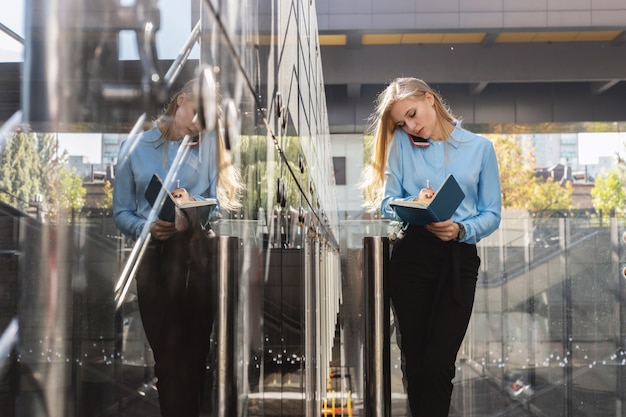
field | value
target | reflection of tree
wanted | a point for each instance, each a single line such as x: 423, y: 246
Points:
x: 517, y: 176
x: 20, y: 170
x: 608, y: 194
x: 31, y: 170
x: 260, y: 170
x: 108, y: 195
x: 521, y: 188
x: 65, y: 192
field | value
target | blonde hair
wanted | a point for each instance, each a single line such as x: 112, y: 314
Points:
x: 166, y: 118
x: 229, y: 183
x: 382, y: 126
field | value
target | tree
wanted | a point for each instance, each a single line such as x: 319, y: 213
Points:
x: 521, y: 188
x: 31, y: 169
x: 108, y: 195
x: 517, y: 176
x: 549, y: 197
x: 66, y: 192
x: 608, y: 194
x: 20, y: 169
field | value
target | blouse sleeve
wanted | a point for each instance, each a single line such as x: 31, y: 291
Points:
x: 124, y: 200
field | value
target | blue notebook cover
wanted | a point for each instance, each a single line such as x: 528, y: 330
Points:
x: 442, y: 206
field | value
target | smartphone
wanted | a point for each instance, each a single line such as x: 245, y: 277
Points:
x: 418, y: 141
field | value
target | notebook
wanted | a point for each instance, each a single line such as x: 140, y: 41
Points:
x: 168, y: 210
x: 441, y: 207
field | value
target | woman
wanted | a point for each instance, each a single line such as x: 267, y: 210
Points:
x: 434, y: 268
x: 174, y: 290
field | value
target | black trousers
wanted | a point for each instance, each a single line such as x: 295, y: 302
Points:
x: 432, y: 284
x: 176, y: 296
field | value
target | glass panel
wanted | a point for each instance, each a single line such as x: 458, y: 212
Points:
x: 83, y: 348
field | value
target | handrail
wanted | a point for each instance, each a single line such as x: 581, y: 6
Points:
x: 11, y: 33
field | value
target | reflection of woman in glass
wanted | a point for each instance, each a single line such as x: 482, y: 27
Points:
x: 174, y: 281
x: 434, y: 268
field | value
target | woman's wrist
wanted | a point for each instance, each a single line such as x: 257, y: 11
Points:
x: 461, y: 233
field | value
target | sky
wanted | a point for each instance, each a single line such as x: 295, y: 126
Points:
x: 13, y: 18
x: 591, y: 146
x: 82, y: 144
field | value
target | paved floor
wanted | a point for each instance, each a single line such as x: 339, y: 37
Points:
x: 473, y: 396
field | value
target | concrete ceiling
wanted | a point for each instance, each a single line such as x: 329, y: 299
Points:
x: 482, y: 67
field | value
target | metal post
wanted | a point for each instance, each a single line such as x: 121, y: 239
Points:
x: 618, y: 274
x: 311, y: 368
x: 568, y: 372
x: 227, y: 260
x: 377, y: 401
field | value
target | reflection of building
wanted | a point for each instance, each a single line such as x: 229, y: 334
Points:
x: 348, y: 154
x: 99, y: 171
x: 94, y: 176
x: 111, y: 146
x: 564, y: 148
x: 81, y: 164
x: 582, y: 183
x: 95, y: 196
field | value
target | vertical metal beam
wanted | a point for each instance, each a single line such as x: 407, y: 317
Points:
x: 44, y: 59
x: 377, y: 401
x: 568, y: 372
x: 311, y: 368
x: 618, y: 273
x: 227, y: 261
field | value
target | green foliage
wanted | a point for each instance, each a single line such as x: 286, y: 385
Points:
x: 521, y: 188
x: 550, y: 197
x: 20, y: 170
x: 517, y: 176
x: 260, y: 168
x: 609, y: 194
x: 31, y: 169
x: 108, y: 195
x: 70, y: 191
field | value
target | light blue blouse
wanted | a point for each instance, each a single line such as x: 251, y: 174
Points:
x: 141, y: 157
x: 469, y: 157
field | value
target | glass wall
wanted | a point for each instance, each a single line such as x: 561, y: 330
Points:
x: 547, y: 334
x: 97, y: 72
x: 549, y: 319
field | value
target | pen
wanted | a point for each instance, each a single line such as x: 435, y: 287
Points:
x: 177, y: 183
x: 427, y: 183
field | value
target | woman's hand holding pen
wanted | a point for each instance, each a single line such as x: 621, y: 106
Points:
x: 181, y: 195
x: 425, y: 195
x: 182, y: 221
